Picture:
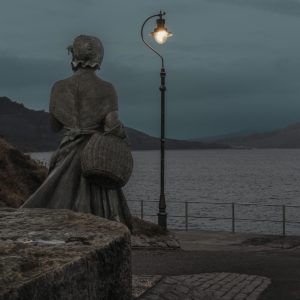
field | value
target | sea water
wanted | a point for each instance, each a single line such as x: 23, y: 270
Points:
x: 201, y: 185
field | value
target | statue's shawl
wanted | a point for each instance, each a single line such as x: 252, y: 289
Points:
x: 82, y: 100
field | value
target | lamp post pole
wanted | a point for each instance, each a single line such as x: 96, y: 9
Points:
x: 162, y: 35
x: 162, y: 215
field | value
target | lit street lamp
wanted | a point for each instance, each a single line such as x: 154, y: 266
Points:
x: 160, y: 34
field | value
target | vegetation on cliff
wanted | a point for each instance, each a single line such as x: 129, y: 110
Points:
x: 20, y: 176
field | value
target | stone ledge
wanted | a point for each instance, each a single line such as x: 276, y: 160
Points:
x: 165, y: 242
x: 59, y: 254
x: 151, y: 236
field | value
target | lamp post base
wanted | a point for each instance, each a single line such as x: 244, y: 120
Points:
x: 162, y: 220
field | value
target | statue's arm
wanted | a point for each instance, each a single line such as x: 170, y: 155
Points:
x: 112, y: 122
x: 115, y: 126
x: 55, y: 125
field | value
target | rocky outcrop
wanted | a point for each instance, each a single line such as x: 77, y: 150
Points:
x: 20, y: 176
x: 62, y: 255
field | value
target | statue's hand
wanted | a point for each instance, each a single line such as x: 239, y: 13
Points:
x: 113, y: 125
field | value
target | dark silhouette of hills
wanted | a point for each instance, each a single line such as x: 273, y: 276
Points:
x: 228, y: 136
x: 26, y: 129
x: 288, y: 137
x: 29, y: 131
x: 142, y: 141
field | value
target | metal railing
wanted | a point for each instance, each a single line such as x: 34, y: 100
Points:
x: 233, y: 217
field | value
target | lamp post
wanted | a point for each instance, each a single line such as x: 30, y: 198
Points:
x: 160, y: 34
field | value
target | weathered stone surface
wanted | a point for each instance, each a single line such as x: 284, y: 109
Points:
x: 166, y: 242
x: 59, y: 254
x: 148, y: 235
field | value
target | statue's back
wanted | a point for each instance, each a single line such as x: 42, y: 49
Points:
x: 82, y: 100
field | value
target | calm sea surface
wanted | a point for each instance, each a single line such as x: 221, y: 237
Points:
x: 263, y: 177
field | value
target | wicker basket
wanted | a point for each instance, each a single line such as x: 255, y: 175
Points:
x: 107, y: 160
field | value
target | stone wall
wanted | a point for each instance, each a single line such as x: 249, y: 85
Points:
x: 59, y: 254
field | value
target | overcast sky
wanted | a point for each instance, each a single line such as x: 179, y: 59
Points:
x: 232, y: 65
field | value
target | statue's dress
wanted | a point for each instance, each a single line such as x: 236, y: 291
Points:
x: 81, y: 104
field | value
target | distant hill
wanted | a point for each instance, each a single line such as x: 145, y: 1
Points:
x: 142, y: 141
x: 228, y: 136
x: 29, y: 131
x: 26, y: 129
x: 288, y: 137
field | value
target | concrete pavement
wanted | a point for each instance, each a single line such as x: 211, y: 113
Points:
x: 199, y: 271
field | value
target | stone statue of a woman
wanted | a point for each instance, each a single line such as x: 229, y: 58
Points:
x: 81, y: 105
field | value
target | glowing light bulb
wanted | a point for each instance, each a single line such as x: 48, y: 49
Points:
x: 161, y: 36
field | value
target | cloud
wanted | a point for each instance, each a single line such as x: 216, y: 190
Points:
x: 28, y: 72
x: 284, y: 7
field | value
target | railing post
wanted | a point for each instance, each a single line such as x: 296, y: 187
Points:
x: 283, y: 220
x: 142, y: 209
x: 186, y: 216
x: 233, y: 217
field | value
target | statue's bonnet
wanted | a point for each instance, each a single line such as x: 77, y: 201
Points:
x: 87, y: 51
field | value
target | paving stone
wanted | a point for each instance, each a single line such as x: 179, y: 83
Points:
x: 142, y: 283
x: 219, y: 293
x: 150, y: 297
x: 183, y: 289
x: 240, y: 297
x: 208, y: 286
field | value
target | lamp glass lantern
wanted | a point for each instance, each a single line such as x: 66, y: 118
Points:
x: 161, y: 33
